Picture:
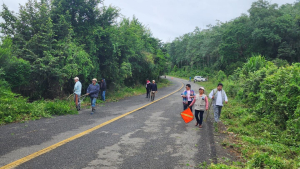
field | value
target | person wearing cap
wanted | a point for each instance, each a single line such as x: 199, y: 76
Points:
x: 201, y: 104
x: 77, y: 92
x: 103, y: 89
x: 153, y: 90
x: 218, y: 97
x: 93, y: 91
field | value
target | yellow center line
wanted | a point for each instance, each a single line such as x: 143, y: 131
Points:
x: 54, y: 146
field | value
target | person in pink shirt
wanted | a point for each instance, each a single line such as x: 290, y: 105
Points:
x: 201, y: 104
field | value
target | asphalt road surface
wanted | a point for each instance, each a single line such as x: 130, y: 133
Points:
x: 152, y: 137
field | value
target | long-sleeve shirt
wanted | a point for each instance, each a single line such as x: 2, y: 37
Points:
x: 93, y: 90
x: 219, y: 101
x: 153, y: 87
x: 206, y: 102
x: 77, y: 88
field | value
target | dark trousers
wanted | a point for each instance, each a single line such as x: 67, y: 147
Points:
x: 148, y: 92
x: 197, y: 113
x: 185, y: 106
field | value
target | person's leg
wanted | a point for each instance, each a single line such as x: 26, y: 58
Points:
x: 94, y: 102
x: 189, y: 102
x: 201, y: 117
x: 185, y: 106
x: 220, y: 109
x: 76, y: 100
x: 146, y: 93
x: 78, y: 106
x: 197, y: 117
x: 216, y: 113
x: 103, y: 95
x: 152, y: 96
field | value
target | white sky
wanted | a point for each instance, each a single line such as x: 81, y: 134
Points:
x: 168, y: 19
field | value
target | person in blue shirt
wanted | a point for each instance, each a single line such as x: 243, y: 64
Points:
x: 77, y: 92
x: 93, y: 91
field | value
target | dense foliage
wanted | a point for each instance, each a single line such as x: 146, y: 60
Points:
x: 268, y: 29
x: 47, y: 43
x: 256, y: 56
x: 265, y: 112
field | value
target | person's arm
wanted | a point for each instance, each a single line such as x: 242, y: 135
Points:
x: 193, y: 96
x: 98, y: 89
x: 206, y: 103
x: 192, y: 103
x: 182, y: 94
x: 156, y: 87
x: 88, y: 90
x: 211, y: 94
x: 75, y: 87
x: 226, y: 99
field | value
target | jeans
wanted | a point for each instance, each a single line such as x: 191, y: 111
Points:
x: 103, y: 95
x: 185, y: 106
x: 93, y: 101
x: 217, y: 112
x: 197, y: 112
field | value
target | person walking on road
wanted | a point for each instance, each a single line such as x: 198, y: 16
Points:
x: 148, y: 88
x: 93, y: 91
x: 153, y: 90
x: 201, y: 104
x: 103, y: 89
x: 77, y: 92
x: 218, y: 97
x: 187, y: 96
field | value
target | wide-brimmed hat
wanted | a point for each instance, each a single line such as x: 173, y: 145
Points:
x: 201, y: 88
x: 95, y: 79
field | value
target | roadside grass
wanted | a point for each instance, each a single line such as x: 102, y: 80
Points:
x: 250, y: 139
x: 15, y: 108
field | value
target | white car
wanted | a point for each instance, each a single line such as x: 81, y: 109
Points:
x: 199, y: 79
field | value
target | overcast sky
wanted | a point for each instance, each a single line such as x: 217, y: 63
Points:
x: 168, y: 19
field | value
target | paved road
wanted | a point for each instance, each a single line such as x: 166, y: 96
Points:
x: 153, y: 137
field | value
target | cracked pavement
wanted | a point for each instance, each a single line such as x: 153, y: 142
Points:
x: 153, y: 137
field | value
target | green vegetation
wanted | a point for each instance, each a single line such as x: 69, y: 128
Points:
x: 263, y: 112
x: 256, y: 57
x: 47, y: 43
x: 268, y: 29
x: 16, y: 108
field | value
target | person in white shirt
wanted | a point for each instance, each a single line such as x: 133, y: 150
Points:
x: 218, y: 97
x: 77, y: 92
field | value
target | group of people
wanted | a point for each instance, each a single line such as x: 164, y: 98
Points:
x: 217, y: 95
x: 151, y: 88
x: 92, y: 91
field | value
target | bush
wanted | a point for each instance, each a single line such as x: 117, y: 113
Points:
x: 14, y: 107
x: 58, y: 107
x: 221, y: 76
